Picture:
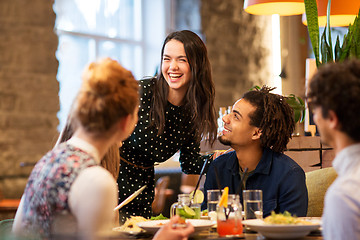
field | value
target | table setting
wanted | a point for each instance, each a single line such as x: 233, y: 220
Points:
x: 226, y: 221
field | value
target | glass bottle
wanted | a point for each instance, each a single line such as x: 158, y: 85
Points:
x: 183, y: 209
x: 229, y: 219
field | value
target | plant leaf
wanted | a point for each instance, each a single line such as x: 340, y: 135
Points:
x: 330, y: 57
x: 357, y: 35
x: 337, y: 49
x: 345, y: 48
x: 256, y: 87
x: 298, y: 106
x: 313, y: 26
x: 324, y: 48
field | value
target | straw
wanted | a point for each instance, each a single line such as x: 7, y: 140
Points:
x: 219, y: 186
x: 201, y: 174
x: 217, y: 178
x: 241, y: 182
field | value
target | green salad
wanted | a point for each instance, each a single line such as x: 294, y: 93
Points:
x: 159, y: 217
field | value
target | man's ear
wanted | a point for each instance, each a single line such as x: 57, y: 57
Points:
x: 333, y: 120
x: 257, y: 134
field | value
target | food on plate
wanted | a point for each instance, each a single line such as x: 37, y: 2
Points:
x: 284, y: 218
x: 198, y: 197
x: 224, y: 198
x: 181, y: 221
x: 131, y: 224
x: 159, y: 217
x: 205, y: 212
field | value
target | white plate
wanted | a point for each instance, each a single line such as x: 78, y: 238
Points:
x: 281, y: 231
x: 155, y: 225
x: 134, y: 233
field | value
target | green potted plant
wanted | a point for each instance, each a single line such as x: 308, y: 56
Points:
x: 296, y: 103
x: 350, y: 46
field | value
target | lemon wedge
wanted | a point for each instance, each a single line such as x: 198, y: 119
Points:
x: 224, y: 197
x: 189, y: 211
x: 198, y: 197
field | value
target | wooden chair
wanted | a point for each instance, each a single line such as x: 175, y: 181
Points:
x: 188, y: 182
x: 8, y: 207
x: 160, y: 194
x: 317, y: 183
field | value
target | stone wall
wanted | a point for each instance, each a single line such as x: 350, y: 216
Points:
x: 28, y: 89
x: 239, y: 48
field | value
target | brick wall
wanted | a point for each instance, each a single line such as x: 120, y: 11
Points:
x: 28, y: 89
x: 239, y: 48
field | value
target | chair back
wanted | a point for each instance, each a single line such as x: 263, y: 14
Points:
x: 317, y: 183
x: 6, y: 228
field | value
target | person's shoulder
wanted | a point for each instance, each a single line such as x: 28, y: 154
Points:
x: 97, y: 177
x: 147, y: 82
x: 224, y: 158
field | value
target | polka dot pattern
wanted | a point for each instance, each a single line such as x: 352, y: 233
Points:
x: 145, y: 148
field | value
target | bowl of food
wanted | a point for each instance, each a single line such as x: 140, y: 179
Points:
x: 283, y: 226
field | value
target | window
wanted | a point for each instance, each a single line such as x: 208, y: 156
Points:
x: 130, y: 31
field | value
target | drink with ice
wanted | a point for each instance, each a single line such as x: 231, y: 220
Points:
x: 229, y: 219
x: 229, y: 227
x: 184, y: 213
x: 184, y: 209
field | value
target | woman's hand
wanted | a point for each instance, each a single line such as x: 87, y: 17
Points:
x: 173, y: 232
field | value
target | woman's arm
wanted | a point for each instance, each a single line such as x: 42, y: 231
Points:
x: 92, y: 198
x: 191, y: 162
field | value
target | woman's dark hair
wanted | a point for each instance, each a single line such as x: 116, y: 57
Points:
x: 336, y: 87
x: 273, y: 116
x: 199, y: 98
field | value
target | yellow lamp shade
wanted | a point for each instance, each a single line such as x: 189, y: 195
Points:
x: 342, y: 13
x: 269, y: 7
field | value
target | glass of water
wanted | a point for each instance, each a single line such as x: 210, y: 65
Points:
x: 213, y: 197
x: 253, y: 204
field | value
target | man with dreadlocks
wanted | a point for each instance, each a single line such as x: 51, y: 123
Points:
x: 258, y: 129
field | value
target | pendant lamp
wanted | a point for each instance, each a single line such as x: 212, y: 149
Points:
x: 269, y: 7
x: 342, y: 13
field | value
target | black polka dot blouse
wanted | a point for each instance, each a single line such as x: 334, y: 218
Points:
x: 145, y: 148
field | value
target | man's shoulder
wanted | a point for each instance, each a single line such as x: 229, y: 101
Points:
x: 223, y: 159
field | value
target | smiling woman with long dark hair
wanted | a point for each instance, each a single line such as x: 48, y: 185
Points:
x: 176, y: 112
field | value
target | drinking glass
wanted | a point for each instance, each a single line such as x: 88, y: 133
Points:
x: 229, y: 219
x: 183, y: 208
x: 253, y: 204
x: 213, y: 197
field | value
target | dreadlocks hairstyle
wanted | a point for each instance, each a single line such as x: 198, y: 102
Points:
x: 273, y: 116
x: 200, y: 96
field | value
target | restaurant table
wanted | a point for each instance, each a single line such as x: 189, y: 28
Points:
x: 211, y: 235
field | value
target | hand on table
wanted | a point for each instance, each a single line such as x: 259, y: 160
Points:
x: 169, y: 232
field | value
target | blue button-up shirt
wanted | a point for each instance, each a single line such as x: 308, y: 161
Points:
x: 280, y: 178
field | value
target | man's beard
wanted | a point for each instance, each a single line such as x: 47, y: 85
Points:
x: 224, y: 141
